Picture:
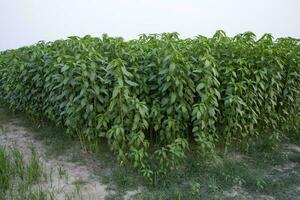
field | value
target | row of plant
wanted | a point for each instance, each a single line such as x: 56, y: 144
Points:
x: 157, y: 97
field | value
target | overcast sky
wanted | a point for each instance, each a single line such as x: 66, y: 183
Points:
x: 25, y: 22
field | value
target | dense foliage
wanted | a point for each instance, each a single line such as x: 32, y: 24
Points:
x: 155, y: 97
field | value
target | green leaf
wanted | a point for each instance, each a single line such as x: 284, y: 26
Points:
x: 199, y: 87
x: 64, y: 68
x: 131, y: 83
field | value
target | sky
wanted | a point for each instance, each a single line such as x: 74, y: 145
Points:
x: 25, y: 22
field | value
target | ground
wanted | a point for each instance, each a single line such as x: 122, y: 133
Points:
x: 261, y: 173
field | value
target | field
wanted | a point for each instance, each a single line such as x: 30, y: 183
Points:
x: 158, y: 117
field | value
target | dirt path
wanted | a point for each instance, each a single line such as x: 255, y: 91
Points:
x: 67, y: 180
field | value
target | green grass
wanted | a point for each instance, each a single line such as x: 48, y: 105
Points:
x: 18, y: 177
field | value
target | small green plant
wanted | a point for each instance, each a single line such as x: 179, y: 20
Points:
x: 62, y: 172
x: 77, y: 185
x: 4, y: 172
x: 195, y: 188
x: 34, y: 168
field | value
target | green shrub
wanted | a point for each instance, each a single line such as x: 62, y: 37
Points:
x: 153, y: 96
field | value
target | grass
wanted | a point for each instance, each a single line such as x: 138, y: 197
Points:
x: 18, y: 178
x: 254, y: 173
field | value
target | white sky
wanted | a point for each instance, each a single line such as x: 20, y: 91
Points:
x: 25, y: 22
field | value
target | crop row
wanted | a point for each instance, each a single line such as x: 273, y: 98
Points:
x: 155, y: 97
